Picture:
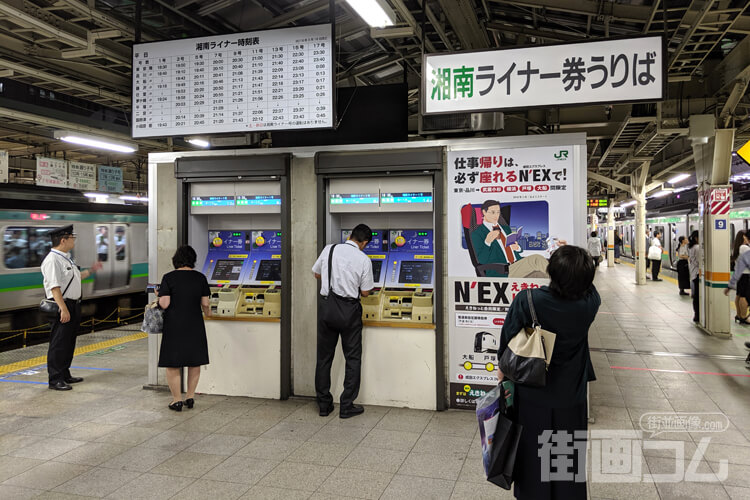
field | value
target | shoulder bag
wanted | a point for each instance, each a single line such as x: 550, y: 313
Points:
x: 526, y: 359
x: 49, y: 306
x: 153, y: 318
x: 654, y: 252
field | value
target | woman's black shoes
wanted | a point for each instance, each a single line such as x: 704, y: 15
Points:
x: 742, y: 321
x: 190, y: 402
x: 682, y: 292
x: 176, y: 406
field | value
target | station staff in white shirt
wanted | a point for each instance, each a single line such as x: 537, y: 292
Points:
x: 62, y: 282
x: 345, y: 273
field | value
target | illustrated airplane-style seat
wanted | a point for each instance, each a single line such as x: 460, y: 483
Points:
x: 471, y: 218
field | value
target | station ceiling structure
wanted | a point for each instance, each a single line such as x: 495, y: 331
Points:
x: 66, y: 64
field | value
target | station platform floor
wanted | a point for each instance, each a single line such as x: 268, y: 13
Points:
x: 110, y: 438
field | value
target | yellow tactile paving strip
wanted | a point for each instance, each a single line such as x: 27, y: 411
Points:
x: 40, y: 360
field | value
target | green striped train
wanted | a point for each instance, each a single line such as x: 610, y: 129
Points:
x: 114, y: 234
x: 673, y: 224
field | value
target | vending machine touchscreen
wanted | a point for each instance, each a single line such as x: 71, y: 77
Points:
x: 409, y: 276
x: 260, y: 294
x: 225, y: 269
x: 377, y: 251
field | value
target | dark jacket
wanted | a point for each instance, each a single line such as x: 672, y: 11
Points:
x: 570, y: 368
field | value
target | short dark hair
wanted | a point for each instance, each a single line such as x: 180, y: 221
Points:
x: 593, y: 233
x: 571, y: 271
x: 184, y: 257
x: 693, y: 240
x: 362, y: 233
x: 57, y: 239
x: 489, y: 203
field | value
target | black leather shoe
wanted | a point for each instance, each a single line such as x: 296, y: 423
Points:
x: 176, y: 406
x: 60, y: 386
x: 324, y: 412
x: 189, y: 402
x: 351, y: 411
x: 73, y: 380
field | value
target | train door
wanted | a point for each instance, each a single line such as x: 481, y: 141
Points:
x: 632, y: 241
x: 674, y: 233
x: 104, y: 254
x: 121, y: 253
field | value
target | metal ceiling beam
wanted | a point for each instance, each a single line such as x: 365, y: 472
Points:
x: 83, y: 87
x: 463, y: 19
x: 608, y: 181
x: 20, y: 17
x: 103, y: 18
x: 294, y: 14
x: 46, y: 121
x: 409, y: 18
x: 437, y: 25
x: 502, y: 27
x: 623, y: 12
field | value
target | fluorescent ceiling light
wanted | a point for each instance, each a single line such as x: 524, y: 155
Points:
x: 628, y: 204
x: 678, y: 178
x: 376, y: 13
x: 662, y: 193
x: 97, y: 142
x: 127, y: 197
x: 199, y: 142
x: 96, y: 195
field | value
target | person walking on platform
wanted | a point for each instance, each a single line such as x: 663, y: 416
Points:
x: 694, y: 257
x: 739, y: 279
x: 556, y: 412
x: 345, y: 273
x: 62, y: 282
x: 595, y: 248
x: 183, y: 293
x: 618, y: 247
x: 654, y: 255
x: 683, y: 268
x: 741, y: 245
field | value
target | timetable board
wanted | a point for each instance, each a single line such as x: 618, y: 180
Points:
x: 257, y: 81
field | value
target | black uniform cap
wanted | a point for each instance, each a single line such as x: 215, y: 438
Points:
x: 62, y: 231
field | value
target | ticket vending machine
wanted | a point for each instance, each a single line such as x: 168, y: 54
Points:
x: 225, y: 269
x: 233, y: 215
x: 260, y: 295
x: 397, y: 194
x: 409, y: 277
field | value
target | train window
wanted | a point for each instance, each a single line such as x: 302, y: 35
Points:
x: 120, y: 242
x: 25, y: 246
x: 102, y: 243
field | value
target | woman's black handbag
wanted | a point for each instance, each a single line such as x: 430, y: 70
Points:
x: 49, y: 306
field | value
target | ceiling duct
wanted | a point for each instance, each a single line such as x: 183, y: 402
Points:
x: 461, y: 122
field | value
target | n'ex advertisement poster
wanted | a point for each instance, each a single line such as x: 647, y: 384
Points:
x: 508, y: 210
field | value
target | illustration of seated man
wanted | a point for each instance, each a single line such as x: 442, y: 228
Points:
x: 495, y: 243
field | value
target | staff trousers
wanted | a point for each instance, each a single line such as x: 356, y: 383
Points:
x: 62, y: 343
x: 338, y: 318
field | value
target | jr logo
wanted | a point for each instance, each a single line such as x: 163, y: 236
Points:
x: 562, y: 155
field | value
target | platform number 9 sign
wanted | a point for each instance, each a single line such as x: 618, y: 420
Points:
x: 720, y: 224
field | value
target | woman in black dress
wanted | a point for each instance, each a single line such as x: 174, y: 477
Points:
x: 566, y: 307
x: 182, y: 294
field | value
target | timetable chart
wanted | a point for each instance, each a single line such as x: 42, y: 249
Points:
x: 266, y: 80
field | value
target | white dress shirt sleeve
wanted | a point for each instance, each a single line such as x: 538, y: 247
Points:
x: 367, y: 282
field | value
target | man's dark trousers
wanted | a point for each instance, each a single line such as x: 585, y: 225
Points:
x: 338, y: 317
x: 62, y: 343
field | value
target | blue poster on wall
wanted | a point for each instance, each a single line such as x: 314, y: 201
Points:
x: 110, y: 179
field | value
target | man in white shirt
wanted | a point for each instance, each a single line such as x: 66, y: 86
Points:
x: 62, y: 282
x: 345, y: 275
